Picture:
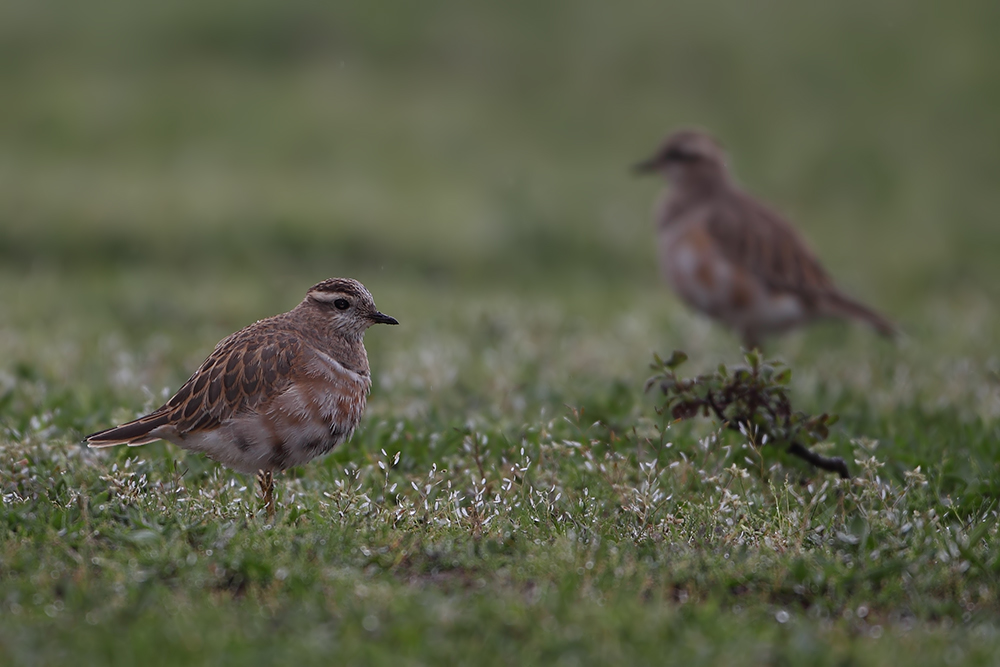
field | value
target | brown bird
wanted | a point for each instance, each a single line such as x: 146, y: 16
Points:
x: 733, y: 258
x: 276, y: 394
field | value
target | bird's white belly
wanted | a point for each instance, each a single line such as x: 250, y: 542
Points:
x: 775, y: 313
x: 253, y: 442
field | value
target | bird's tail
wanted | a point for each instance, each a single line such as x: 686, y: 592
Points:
x: 838, y: 305
x: 136, y: 432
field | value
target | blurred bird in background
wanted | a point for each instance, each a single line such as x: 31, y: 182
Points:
x: 731, y: 257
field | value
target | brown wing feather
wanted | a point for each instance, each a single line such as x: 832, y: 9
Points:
x: 135, y: 432
x: 243, y: 373
x: 761, y: 242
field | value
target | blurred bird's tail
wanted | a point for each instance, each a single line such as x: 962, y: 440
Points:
x: 838, y: 305
x: 136, y: 432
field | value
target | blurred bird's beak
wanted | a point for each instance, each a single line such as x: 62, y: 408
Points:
x: 647, y: 166
x: 382, y: 318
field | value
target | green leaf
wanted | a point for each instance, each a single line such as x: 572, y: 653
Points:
x: 676, y: 359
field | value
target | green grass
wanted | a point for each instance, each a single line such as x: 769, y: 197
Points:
x: 170, y: 175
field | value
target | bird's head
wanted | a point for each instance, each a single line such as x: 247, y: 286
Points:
x: 347, y: 305
x: 687, y: 154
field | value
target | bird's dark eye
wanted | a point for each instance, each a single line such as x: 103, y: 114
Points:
x: 680, y: 155
x: 341, y: 304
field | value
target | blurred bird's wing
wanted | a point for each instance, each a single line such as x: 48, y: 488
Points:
x: 762, y: 243
x: 759, y: 241
x: 243, y: 373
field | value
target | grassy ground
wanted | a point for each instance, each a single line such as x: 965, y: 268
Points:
x: 169, y: 176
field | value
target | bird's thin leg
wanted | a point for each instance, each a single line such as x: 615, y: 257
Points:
x: 266, y: 481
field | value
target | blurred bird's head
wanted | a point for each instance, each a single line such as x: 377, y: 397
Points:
x: 687, y: 154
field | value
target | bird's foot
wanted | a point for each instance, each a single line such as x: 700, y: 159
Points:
x: 266, y: 482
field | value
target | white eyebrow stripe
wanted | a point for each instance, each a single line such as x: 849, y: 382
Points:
x: 329, y: 297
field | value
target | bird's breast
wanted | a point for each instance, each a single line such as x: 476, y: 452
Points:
x: 694, y: 268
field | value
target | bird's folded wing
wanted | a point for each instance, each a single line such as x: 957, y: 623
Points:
x: 764, y: 245
x: 243, y: 373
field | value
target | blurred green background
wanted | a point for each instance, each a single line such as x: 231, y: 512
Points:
x: 446, y: 139
x: 171, y: 172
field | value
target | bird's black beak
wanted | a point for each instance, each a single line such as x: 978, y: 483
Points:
x: 382, y: 318
x: 648, y: 166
